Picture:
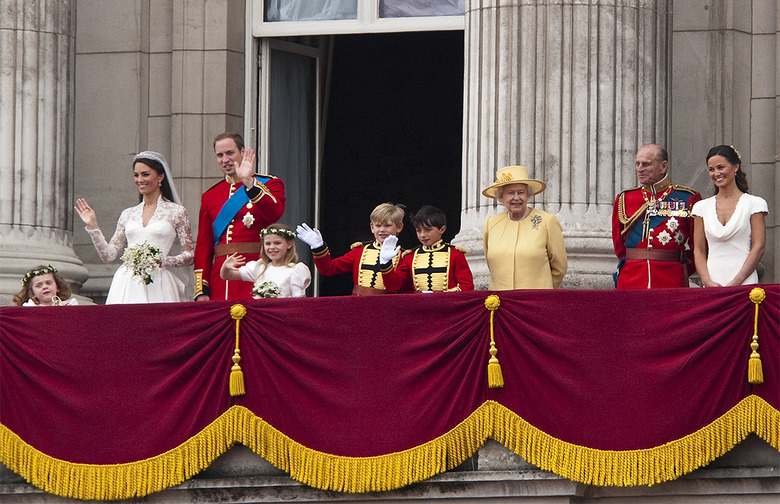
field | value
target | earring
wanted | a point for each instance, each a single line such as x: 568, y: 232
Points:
x: 159, y: 184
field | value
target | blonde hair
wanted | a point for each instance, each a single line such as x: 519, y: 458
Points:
x: 388, y: 212
x: 278, y: 229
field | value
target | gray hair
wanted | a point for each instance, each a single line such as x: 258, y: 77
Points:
x: 500, y: 190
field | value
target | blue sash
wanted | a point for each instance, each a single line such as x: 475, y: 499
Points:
x: 635, y: 235
x: 231, y: 208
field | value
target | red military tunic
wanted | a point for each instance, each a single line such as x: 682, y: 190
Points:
x: 652, y: 232
x: 362, y: 261
x: 439, y: 268
x: 266, y: 205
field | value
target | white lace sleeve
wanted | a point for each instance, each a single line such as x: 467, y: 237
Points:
x: 108, y: 251
x: 299, y: 280
x: 180, y: 219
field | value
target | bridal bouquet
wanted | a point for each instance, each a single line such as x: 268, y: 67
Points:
x: 265, y: 290
x: 143, y: 260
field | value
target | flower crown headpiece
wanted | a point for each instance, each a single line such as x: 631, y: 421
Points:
x: 284, y: 233
x: 40, y: 271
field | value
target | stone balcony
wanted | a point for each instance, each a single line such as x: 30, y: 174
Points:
x: 750, y: 473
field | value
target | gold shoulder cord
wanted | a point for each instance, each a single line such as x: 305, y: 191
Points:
x: 628, y: 222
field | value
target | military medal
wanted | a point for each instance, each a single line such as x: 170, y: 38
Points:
x: 652, y: 207
x: 664, y: 237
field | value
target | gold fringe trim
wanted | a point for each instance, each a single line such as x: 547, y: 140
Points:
x: 118, y: 481
x: 637, y: 467
x: 366, y: 474
x: 393, y: 470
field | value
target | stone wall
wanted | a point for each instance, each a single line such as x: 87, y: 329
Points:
x: 726, y: 90
x: 165, y: 75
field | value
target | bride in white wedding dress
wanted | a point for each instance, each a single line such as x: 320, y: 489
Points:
x: 157, y: 220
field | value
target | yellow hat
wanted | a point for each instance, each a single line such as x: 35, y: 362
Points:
x: 514, y: 175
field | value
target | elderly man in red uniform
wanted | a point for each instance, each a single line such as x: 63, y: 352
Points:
x: 652, y: 227
x: 232, y: 213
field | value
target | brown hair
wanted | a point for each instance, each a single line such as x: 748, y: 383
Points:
x: 63, y: 289
x: 165, y: 186
x: 231, y: 135
x: 732, y: 156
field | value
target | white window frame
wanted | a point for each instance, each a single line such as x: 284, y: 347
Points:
x: 367, y: 21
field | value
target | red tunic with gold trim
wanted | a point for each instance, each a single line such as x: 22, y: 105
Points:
x: 362, y: 261
x: 652, y: 232
x: 438, y: 268
x: 265, y: 206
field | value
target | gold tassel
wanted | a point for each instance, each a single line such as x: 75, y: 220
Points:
x: 237, y: 311
x: 755, y: 369
x: 495, y: 376
x: 236, y: 376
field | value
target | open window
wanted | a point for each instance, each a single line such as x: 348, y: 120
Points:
x: 355, y: 119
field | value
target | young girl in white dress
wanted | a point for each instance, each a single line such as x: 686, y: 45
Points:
x: 157, y: 220
x: 42, y: 286
x: 278, y: 272
x: 729, y: 229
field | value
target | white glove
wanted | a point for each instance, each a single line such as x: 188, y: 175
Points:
x: 309, y: 236
x: 389, y: 249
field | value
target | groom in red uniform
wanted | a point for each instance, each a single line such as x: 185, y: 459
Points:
x: 232, y: 213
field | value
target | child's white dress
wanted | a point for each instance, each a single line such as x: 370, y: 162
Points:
x: 66, y: 302
x: 292, y: 280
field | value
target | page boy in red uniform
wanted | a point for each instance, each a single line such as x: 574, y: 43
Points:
x: 364, y: 259
x: 435, y: 266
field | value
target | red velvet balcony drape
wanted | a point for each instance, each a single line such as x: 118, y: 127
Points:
x: 372, y: 393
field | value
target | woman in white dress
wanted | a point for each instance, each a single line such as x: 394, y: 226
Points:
x: 157, y: 220
x: 729, y: 229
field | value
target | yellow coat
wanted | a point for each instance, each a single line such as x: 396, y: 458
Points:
x: 525, y: 254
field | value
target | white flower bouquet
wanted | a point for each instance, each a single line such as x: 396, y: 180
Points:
x: 143, y: 260
x: 265, y: 290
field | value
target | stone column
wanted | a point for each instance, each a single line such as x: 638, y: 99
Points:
x: 36, y: 111
x: 726, y: 82
x: 569, y: 89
